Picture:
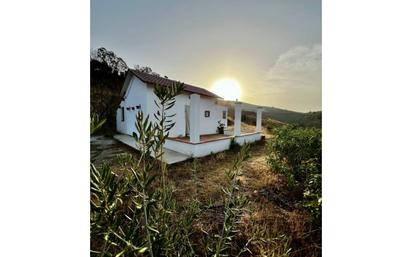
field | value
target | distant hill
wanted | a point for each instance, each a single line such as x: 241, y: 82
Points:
x: 273, y: 116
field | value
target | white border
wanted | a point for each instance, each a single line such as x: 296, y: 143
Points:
x: 44, y: 103
x: 367, y: 128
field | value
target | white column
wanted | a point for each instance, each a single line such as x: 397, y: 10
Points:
x: 259, y: 119
x: 238, y: 118
x: 194, y: 118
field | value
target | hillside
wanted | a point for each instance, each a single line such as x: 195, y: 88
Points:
x: 273, y: 116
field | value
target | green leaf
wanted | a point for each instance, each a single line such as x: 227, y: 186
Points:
x: 142, y: 250
x: 121, y: 253
x: 153, y: 230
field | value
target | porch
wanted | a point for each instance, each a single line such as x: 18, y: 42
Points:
x: 209, y: 144
x: 178, y: 149
x: 169, y: 156
x: 195, y: 137
x: 202, y: 138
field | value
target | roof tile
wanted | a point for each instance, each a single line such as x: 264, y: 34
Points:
x: 157, y: 80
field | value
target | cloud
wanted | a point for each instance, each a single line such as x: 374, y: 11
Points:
x: 299, y: 66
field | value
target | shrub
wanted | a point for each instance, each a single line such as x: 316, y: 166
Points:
x: 296, y: 153
x: 124, y: 159
x: 270, y: 124
x: 234, y: 205
x: 110, y: 203
x: 312, y: 194
x: 96, y: 122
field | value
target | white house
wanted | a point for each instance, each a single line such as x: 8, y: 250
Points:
x: 198, y: 113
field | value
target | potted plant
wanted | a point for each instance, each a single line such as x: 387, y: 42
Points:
x: 221, y: 127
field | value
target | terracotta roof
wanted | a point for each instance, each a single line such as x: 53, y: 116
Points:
x: 157, y: 80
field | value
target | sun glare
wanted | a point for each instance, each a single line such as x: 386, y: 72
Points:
x: 229, y: 89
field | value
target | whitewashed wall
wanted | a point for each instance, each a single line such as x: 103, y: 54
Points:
x: 248, y: 138
x: 184, y: 148
x: 178, y: 109
x: 135, y: 95
x: 208, y: 125
x: 207, y: 148
x: 140, y: 93
x: 198, y: 150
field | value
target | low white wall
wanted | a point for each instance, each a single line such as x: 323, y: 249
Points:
x: 248, y: 138
x: 184, y: 148
x: 198, y: 150
x: 206, y: 148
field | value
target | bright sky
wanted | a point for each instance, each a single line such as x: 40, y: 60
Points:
x: 272, y: 49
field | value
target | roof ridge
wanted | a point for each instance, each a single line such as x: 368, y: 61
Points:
x: 157, y: 79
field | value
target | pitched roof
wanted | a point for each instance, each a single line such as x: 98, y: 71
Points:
x: 157, y: 80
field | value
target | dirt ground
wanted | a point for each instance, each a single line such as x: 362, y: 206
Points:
x: 282, y: 224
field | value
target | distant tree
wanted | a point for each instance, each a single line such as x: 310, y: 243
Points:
x: 116, y: 63
x: 107, y: 75
x: 146, y: 69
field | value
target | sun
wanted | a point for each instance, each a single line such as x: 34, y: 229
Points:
x: 229, y: 89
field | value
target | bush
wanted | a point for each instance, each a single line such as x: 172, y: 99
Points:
x: 296, y: 153
x: 270, y: 124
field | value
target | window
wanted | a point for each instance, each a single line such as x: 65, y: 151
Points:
x: 224, y: 115
x: 122, y: 113
x: 207, y: 113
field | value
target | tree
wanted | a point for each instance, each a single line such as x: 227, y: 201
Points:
x: 116, y: 63
x: 146, y: 69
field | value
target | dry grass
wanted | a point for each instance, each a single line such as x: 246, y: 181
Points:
x: 269, y: 213
x: 279, y: 224
x: 247, y: 128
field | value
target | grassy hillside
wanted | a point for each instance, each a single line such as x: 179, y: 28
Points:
x: 273, y: 116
